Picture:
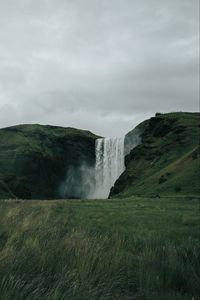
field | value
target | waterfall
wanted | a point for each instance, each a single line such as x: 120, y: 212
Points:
x: 109, y: 164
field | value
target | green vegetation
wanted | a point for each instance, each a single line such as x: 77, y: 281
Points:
x: 35, y: 160
x: 167, y: 162
x: 127, y: 248
x: 136, y: 248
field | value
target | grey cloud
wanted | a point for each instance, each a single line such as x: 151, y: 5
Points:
x: 99, y: 65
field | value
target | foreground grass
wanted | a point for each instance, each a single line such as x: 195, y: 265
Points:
x: 137, y: 248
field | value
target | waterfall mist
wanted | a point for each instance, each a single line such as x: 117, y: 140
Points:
x: 95, y: 181
x: 78, y: 183
x: 90, y: 182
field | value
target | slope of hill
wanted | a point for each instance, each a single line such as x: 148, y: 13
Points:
x: 167, y: 160
x: 35, y: 160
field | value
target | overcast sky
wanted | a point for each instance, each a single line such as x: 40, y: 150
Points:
x: 101, y: 65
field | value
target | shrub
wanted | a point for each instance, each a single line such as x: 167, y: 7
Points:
x: 177, y: 188
x: 162, y: 179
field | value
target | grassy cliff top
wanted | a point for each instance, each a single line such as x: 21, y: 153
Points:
x: 167, y: 160
x: 18, y: 132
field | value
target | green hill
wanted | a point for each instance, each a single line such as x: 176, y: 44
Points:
x: 46, y: 162
x: 36, y: 159
x: 167, y: 160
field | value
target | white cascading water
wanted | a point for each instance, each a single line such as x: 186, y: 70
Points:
x: 109, y: 164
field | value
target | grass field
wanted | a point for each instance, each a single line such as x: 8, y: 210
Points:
x: 123, y: 249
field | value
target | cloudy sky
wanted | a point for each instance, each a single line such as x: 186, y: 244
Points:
x: 101, y: 65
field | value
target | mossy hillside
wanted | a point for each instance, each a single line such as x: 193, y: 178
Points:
x: 34, y: 159
x: 166, y: 161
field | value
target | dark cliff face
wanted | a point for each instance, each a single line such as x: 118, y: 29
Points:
x: 35, y: 161
x: 132, y: 139
x: 167, y: 159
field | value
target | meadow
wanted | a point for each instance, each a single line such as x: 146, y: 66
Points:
x: 120, y: 249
